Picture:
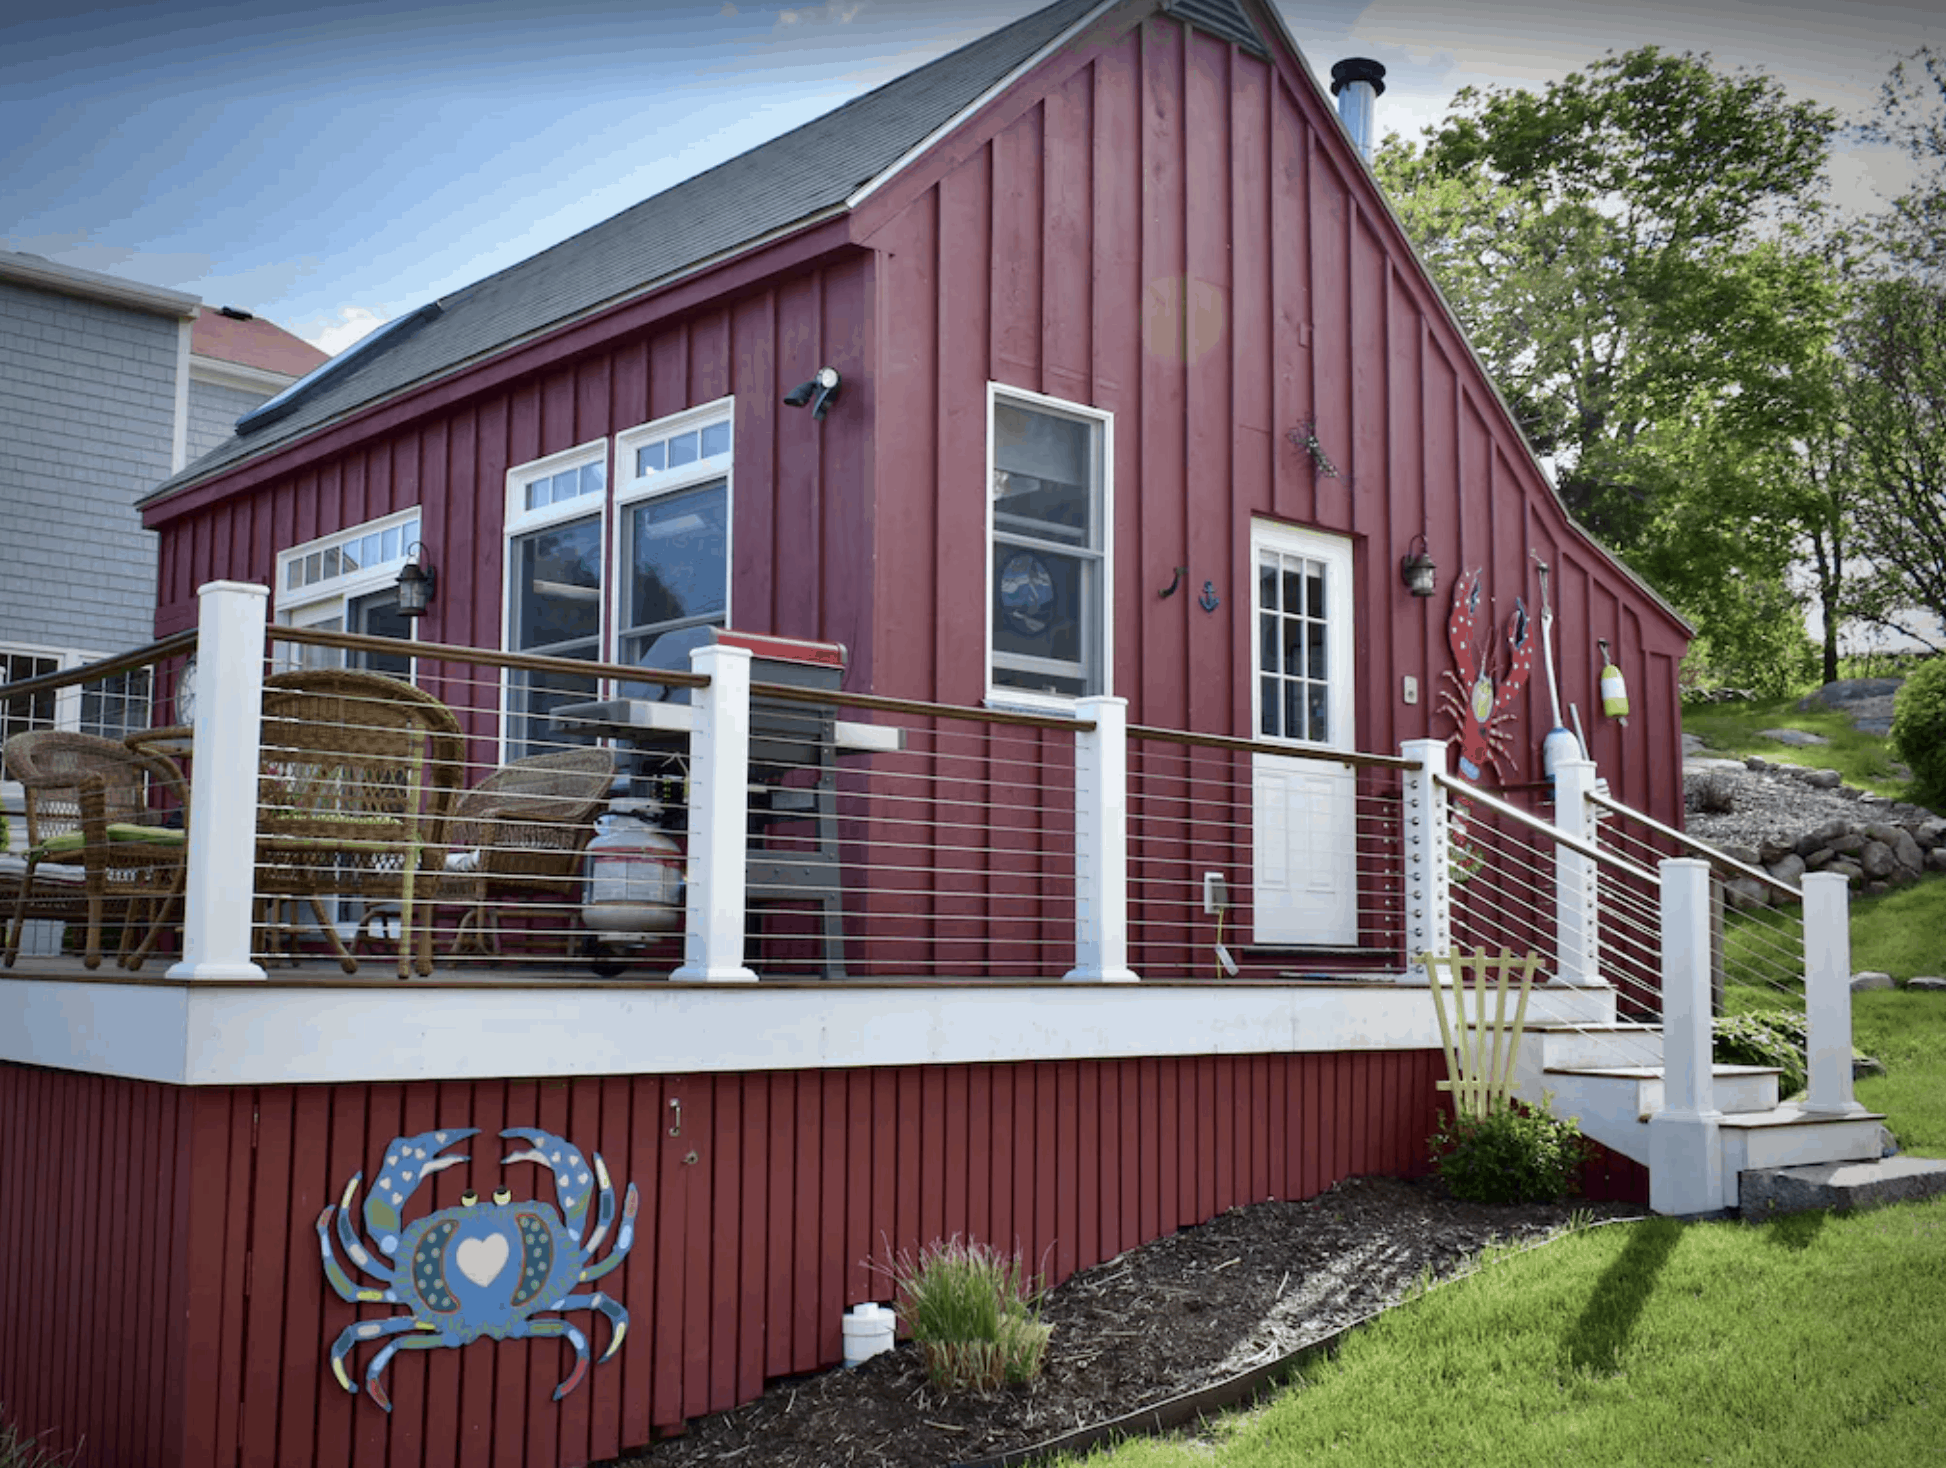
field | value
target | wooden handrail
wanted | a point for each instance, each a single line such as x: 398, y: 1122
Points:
x: 141, y: 657
x: 1701, y: 848
x: 1258, y: 746
x: 1555, y: 833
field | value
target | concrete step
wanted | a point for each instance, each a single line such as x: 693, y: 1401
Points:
x: 1766, y: 1192
x: 1789, y: 1136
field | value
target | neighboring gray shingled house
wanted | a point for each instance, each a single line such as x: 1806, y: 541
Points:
x: 107, y: 387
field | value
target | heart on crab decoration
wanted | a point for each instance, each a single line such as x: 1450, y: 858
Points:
x: 481, y: 1260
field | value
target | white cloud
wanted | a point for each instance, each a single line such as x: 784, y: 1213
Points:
x: 353, y: 324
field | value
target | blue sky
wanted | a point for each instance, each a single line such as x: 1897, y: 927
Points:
x: 332, y: 167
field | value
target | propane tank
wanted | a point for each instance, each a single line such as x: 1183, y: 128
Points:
x: 634, y: 882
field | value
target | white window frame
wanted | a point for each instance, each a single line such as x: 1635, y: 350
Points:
x: 634, y: 489
x: 68, y: 705
x: 1341, y: 667
x: 1003, y: 696
x: 303, y: 606
x: 521, y: 521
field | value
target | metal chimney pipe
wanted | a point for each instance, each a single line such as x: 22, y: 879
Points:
x: 1357, y: 82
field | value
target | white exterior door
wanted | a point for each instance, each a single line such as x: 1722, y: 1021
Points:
x: 1305, y: 888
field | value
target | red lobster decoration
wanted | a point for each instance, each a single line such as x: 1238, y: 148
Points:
x: 1478, y: 697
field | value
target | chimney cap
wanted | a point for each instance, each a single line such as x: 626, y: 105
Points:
x: 1358, y: 69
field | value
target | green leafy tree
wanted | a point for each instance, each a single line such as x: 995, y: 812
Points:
x: 1619, y: 249
x: 1631, y: 252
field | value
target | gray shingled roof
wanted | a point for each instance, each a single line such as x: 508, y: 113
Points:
x: 792, y: 178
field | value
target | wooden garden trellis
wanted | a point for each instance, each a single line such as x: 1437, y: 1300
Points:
x: 1478, y: 1079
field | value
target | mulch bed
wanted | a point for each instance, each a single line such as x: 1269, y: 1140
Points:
x: 1182, y: 1313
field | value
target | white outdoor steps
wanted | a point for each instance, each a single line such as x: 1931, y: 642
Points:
x: 1608, y: 1074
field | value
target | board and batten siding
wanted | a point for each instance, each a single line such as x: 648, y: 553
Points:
x: 159, y: 1243
x: 800, y: 539
x: 1158, y: 223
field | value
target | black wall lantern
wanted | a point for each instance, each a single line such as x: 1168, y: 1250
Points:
x: 1417, y: 569
x: 417, y: 581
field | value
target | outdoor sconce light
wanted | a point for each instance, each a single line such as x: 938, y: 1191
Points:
x: 417, y: 581
x: 1417, y: 569
x: 818, y: 392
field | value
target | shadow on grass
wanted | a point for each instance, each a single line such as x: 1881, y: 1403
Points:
x: 1596, y: 1338
x: 1796, y: 1231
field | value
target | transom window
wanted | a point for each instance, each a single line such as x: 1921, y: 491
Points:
x: 348, y: 582
x: 1048, y: 563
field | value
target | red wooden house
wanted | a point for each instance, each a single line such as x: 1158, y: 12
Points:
x: 1136, y: 391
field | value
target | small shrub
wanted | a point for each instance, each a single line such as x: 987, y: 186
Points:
x: 1774, y: 1037
x: 1919, y: 729
x: 974, y: 1311
x: 1510, y: 1155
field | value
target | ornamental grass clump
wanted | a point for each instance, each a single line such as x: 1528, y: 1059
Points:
x: 975, y: 1313
x: 1509, y: 1155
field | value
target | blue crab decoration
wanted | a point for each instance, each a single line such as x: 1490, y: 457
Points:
x: 481, y: 1269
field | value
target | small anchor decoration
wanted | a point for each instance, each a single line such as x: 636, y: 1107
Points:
x: 1209, y: 601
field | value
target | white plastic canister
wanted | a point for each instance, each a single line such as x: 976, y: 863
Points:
x: 868, y: 1332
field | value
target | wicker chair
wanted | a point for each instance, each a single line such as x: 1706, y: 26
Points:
x: 527, y: 822
x: 91, y: 808
x: 358, y: 776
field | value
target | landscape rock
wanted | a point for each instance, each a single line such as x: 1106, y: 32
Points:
x: 1908, y: 853
x: 1824, y: 779
x: 1736, y: 851
x: 1929, y: 983
x: 1931, y: 832
x: 1787, y: 868
x: 1849, y: 844
x: 1799, y: 737
x: 1775, y: 849
x: 1818, y: 860
x: 1877, y: 860
x: 1745, y: 894
x: 1868, y: 979
x: 1847, y: 869
x: 1692, y: 743
x: 1848, y: 691
x: 1936, y: 859
x: 1863, y: 1066
x: 1880, y: 831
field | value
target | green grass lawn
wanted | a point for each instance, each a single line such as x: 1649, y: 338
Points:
x: 1808, y: 1341
x: 1731, y: 732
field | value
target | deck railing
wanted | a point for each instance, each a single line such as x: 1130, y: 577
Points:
x: 762, y: 829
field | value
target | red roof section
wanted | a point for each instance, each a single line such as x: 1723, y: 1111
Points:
x: 253, y: 343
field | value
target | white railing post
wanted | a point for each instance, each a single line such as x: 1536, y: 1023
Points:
x: 1577, y: 926
x: 1101, y: 844
x: 1428, y: 857
x: 221, y: 879
x: 719, y: 817
x: 1827, y: 993
x: 1685, y: 1158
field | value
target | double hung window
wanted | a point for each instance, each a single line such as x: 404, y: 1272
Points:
x: 644, y: 592
x: 554, y: 584
x: 109, y: 707
x: 674, y: 510
x: 1048, y: 551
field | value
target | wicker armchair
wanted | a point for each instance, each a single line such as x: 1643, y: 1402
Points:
x: 91, y: 809
x: 358, y: 776
x: 527, y: 823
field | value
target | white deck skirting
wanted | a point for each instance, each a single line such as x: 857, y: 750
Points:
x: 220, y: 1034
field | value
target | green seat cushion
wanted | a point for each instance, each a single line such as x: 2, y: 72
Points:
x: 118, y: 831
